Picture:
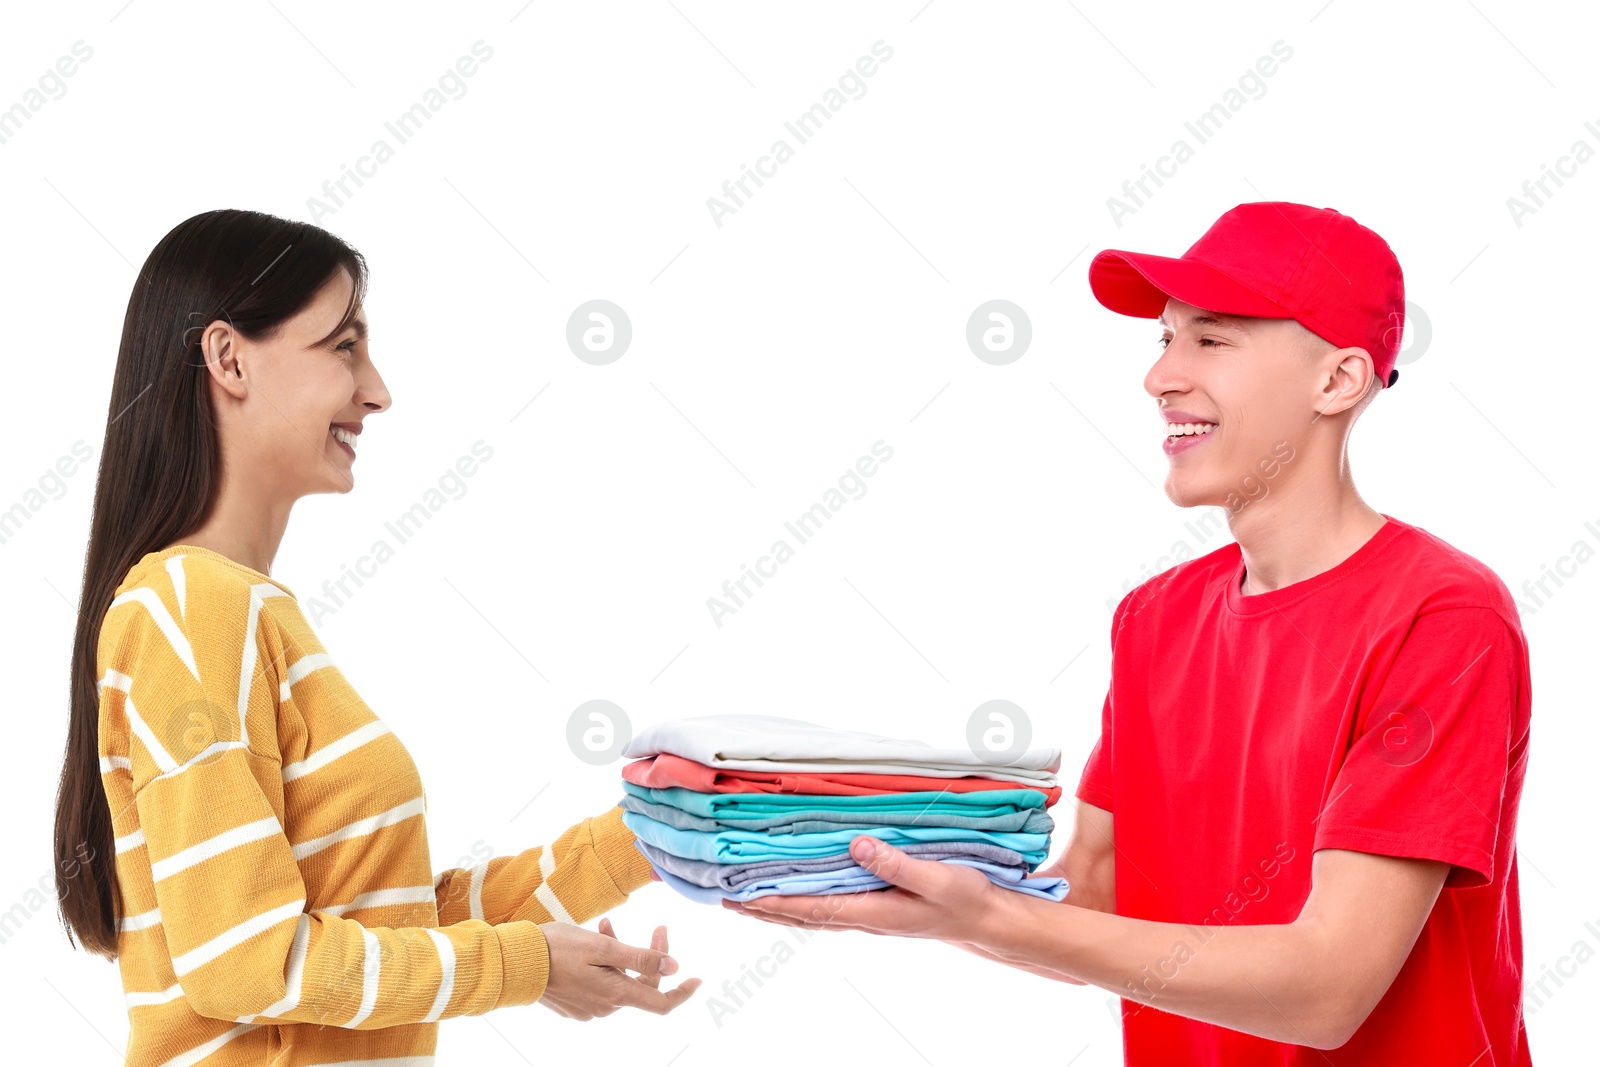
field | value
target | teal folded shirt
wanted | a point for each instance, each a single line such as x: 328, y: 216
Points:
x: 748, y: 846
x: 675, y: 807
x: 728, y: 807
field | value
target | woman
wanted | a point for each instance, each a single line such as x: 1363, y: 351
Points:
x: 235, y: 825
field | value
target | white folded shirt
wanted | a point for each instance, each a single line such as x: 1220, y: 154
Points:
x: 770, y: 743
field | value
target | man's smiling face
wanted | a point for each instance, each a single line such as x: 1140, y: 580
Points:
x: 1233, y: 387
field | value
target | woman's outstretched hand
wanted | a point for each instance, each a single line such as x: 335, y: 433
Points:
x: 589, y: 973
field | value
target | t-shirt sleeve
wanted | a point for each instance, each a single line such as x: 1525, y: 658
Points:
x: 1427, y: 773
x: 1094, y: 785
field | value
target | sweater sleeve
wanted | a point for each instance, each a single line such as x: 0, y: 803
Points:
x: 207, y: 788
x: 589, y: 869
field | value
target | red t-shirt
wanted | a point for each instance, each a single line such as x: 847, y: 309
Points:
x: 1380, y: 706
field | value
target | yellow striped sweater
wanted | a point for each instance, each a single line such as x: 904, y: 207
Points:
x: 277, y: 899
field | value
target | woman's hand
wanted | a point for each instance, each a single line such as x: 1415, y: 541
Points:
x: 588, y: 973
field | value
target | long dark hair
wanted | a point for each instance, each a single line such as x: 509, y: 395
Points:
x: 159, y: 470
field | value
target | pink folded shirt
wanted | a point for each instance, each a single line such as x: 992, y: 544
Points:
x: 665, y: 770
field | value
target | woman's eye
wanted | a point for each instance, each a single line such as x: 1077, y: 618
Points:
x: 348, y: 347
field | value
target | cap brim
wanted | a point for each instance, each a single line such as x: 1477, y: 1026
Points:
x: 1133, y: 283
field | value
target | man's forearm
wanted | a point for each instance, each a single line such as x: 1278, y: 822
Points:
x: 1262, y: 980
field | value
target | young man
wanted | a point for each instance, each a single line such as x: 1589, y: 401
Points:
x: 1295, y: 839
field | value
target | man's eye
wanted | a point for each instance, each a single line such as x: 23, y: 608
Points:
x: 1163, y: 341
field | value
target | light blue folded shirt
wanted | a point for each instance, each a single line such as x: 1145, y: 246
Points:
x: 857, y: 879
x: 748, y: 846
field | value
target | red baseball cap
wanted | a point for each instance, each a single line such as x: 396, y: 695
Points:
x: 1274, y: 260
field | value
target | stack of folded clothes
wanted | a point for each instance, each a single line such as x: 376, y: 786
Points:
x: 745, y: 806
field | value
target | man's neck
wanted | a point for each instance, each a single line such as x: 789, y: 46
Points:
x: 1289, y: 543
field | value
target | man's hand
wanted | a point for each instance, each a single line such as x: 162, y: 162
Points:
x: 928, y: 899
x: 1058, y: 869
x: 941, y: 900
x: 588, y: 973
x: 1089, y: 867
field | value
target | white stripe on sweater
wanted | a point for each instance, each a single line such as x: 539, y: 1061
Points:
x: 141, y: 1000
x: 334, y: 749
x: 475, y: 890
x: 371, y: 964
x: 247, y: 661
x: 300, y: 668
x: 140, y: 921
x: 198, y: 759
x: 163, y: 619
x: 447, y: 974
x: 200, y: 1052
x: 360, y: 827
x: 115, y: 679
x: 175, y: 572
x: 293, y: 977
x: 128, y: 841
x: 547, y: 896
x: 383, y: 898
x: 152, y: 744
x: 207, y: 951
x: 216, y: 845
x: 265, y: 590
x: 141, y: 729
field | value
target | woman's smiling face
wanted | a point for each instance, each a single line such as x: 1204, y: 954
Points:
x: 302, y: 390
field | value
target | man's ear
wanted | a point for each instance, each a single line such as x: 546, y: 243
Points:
x: 219, y: 345
x: 1348, y: 382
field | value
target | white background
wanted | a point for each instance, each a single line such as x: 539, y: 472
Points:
x: 827, y: 313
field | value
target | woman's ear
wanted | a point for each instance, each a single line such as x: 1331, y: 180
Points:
x: 219, y: 346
